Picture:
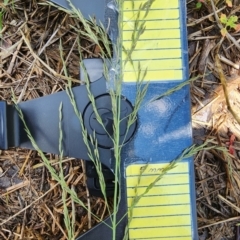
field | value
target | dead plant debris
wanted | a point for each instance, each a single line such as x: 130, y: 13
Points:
x: 214, y: 94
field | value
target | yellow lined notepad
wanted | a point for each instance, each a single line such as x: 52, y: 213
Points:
x: 164, y: 212
x: 159, y: 47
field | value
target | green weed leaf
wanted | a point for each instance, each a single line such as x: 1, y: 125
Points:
x: 198, y: 5
x: 223, y: 19
x: 231, y: 21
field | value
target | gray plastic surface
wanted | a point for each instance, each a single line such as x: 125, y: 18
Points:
x: 93, y: 68
x: 89, y: 8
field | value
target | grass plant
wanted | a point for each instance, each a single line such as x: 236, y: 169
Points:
x: 2, y: 5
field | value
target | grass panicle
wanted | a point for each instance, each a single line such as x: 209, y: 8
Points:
x: 46, y: 161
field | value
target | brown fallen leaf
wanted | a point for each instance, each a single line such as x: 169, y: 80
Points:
x: 215, y: 112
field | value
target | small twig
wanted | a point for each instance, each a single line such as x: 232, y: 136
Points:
x: 5, y: 238
x: 46, y: 30
x: 214, y: 209
x: 205, y: 106
x: 204, y: 37
x: 69, y: 54
x: 197, y: 21
x: 207, y: 47
x: 58, y: 224
x: 26, y: 84
x: 200, y: 32
x: 204, y: 184
x: 24, y: 164
x: 48, y: 42
x: 43, y: 178
x: 219, y: 222
x: 52, y: 162
x: 4, y: 172
x: 210, y: 193
x: 230, y: 63
x: 23, y: 225
x: 195, y: 55
x: 14, y: 188
x: 10, y: 68
x: 88, y: 196
x: 229, y: 203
